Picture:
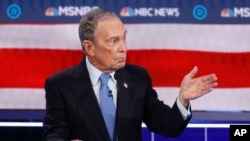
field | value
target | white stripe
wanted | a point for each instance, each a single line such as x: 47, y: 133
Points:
x: 53, y: 36
x: 216, y: 38
x: 208, y: 125
x: 21, y: 124
x: 20, y: 98
x: 219, y: 99
x: 40, y: 124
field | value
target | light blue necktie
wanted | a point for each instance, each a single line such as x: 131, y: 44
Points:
x: 107, y: 105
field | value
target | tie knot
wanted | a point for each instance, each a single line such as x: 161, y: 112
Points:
x: 104, y: 78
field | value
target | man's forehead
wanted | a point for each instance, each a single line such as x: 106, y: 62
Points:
x: 110, y: 25
x: 109, y: 21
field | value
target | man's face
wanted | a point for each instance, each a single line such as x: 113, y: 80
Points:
x: 109, y: 47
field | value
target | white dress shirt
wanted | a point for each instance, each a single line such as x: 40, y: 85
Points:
x: 94, y: 77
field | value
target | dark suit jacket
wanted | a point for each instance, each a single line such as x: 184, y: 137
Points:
x: 72, y: 110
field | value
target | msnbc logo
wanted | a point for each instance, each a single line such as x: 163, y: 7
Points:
x: 227, y: 13
x: 242, y: 12
x: 68, y: 10
x: 127, y: 12
x: 51, y: 11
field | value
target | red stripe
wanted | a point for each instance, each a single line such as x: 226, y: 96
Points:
x: 29, y: 67
x: 167, y: 67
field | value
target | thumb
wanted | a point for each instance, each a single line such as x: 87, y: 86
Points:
x: 193, y: 72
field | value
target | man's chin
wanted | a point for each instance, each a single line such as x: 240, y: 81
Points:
x: 120, y: 65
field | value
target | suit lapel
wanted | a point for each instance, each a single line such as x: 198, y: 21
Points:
x: 87, y: 100
x: 124, y: 86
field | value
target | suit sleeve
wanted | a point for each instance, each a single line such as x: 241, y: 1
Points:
x: 161, y: 118
x: 54, y: 124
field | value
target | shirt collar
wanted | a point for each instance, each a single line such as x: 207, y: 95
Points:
x: 95, y: 73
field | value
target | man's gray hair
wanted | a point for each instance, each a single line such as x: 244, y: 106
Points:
x: 88, y: 23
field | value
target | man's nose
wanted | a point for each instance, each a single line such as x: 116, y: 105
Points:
x: 123, y: 46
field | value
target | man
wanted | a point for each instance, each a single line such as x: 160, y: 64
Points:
x: 74, y: 108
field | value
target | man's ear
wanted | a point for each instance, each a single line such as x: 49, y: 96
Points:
x: 88, y: 47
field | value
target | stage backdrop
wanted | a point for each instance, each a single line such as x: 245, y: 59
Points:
x: 168, y: 37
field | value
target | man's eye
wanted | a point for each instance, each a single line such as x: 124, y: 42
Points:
x: 114, y: 40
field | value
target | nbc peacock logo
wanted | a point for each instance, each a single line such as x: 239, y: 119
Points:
x: 127, y: 12
x: 51, y: 11
x: 226, y: 13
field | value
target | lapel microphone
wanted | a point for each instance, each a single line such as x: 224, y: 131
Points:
x: 110, y: 93
x: 116, y: 76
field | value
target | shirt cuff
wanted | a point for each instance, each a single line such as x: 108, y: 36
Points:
x: 184, y: 112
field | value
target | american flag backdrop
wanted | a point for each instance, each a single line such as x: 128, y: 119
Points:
x: 32, y: 51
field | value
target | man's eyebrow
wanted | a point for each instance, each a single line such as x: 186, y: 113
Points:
x: 117, y: 36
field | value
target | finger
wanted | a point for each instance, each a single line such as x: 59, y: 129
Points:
x: 210, y: 85
x: 192, y: 73
x: 209, y: 78
x: 205, y: 91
